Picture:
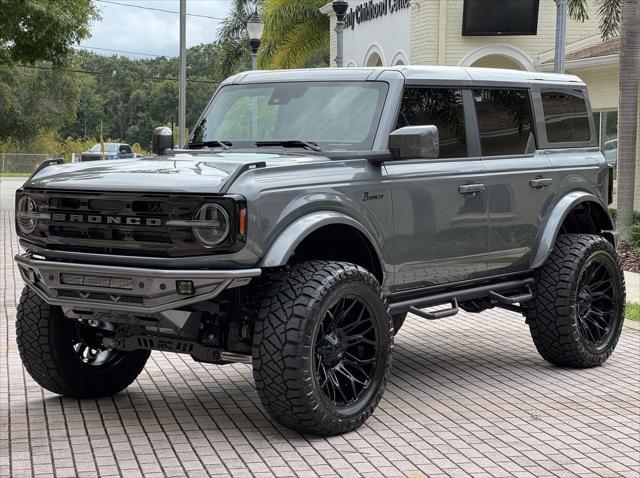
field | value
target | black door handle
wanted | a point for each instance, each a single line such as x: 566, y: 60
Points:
x: 539, y: 183
x: 471, y: 189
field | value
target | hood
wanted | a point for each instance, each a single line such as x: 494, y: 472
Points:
x: 180, y: 173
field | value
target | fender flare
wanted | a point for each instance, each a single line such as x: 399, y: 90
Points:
x: 281, y: 250
x: 556, y: 217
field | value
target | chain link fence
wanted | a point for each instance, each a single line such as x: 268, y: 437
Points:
x: 21, y: 164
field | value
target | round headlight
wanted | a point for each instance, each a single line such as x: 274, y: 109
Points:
x: 26, y: 214
x: 213, y: 224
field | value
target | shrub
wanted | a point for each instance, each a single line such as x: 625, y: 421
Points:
x: 635, y: 236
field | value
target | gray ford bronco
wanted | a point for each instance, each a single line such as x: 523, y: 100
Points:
x: 308, y: 214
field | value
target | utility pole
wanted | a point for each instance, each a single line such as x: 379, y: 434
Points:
x: 561, y: 35
x: 182, y: 88
x: 340, y: 9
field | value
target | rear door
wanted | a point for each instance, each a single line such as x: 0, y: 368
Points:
x: 519, y: 176
x: 441, y: 228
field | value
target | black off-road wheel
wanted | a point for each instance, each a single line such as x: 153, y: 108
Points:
x: 322, y: 347
x: 60, y: 355
x: 577, y: 312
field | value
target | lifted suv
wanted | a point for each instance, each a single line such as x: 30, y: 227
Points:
x: 309, y: 213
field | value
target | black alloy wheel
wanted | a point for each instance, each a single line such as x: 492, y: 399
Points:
x: 597, y: 300
x: 577, y: 312
x: 346, y: 351
x: 321, y: 346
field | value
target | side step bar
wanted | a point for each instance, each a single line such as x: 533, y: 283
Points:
x: 495, y: 292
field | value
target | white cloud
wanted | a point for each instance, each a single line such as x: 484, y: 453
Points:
x: 147, y: 31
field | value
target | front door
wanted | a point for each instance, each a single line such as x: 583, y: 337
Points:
x: 519, y: 177
x: 439, y: 205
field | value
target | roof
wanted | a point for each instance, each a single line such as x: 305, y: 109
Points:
x: 606, y: 48
x: 412, y: 74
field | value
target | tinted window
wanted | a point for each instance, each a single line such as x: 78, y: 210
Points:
x: 504, y: 122
x: 440, y: 107
x: 565, y: 116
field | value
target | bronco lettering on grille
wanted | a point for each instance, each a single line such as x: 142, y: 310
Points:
x: 97, y: 219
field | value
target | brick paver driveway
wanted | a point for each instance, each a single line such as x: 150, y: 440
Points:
x: 469, y: 396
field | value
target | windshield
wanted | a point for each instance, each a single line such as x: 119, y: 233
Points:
x: 108, y: 148
x: 334, y: 115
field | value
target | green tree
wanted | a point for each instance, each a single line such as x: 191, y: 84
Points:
x: 622, y: 16
x: 43, y: 30
x: 296, y: 34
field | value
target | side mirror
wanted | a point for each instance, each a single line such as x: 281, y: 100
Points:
x: 161, y: 140
x: 414, y: 142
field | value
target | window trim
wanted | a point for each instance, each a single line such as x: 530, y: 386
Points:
x: 541, y: 121
x: 532, y: 121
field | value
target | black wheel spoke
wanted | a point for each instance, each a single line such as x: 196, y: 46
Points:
x: 596, y: 302
x: 346, y: 351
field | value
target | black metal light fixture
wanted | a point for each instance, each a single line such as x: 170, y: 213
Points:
x: 255, y: 28
x: 340, y: 9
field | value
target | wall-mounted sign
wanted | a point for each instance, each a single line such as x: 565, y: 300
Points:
x: 372, y: 10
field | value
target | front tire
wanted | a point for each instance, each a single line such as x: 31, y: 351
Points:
x: 55, y: 354
x: 577, y: 312
x: 322, y: 347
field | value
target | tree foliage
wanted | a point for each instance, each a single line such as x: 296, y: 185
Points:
x: 43, y: 30
x: 296, y: 34
x: 609, y: 13
x: 127, y: 97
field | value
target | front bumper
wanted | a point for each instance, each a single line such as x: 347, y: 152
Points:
x: 124, y: 289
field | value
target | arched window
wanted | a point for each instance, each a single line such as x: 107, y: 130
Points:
x: 374, y: 60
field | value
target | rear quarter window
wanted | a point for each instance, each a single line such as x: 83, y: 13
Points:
x: 566, y: 116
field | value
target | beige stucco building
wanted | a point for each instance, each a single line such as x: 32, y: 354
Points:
x: 477, y: 33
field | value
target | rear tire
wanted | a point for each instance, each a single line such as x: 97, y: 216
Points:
x: 322, y: 347
x: 54, y: 355
x: 577, y: 312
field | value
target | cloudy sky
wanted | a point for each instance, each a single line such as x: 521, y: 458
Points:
x: 126, y: 27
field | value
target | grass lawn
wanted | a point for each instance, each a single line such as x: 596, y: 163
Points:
x: 632, y: 311
x: 15, y: 175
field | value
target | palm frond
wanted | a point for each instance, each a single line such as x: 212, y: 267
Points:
x: 578, y: 10
x: 301, y: 44
x: 284, y: 20
x: 610, y: 13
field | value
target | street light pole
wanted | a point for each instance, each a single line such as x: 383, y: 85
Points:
x: 340, y: 9
x: 182, y: 86
x: 255, y: 29
x: 561, y: 36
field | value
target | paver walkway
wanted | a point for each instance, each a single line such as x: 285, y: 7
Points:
x: 469, y: 396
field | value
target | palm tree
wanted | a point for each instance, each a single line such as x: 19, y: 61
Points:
x: 623, y: 16
x: 296, y: 34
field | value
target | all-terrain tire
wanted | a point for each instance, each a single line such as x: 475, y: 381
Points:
x: 45, y: 342
x: 293, y: 311
x: 554, y: 315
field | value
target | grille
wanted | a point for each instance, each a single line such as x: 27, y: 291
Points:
x: 101, y: 297
x: 116, y: 223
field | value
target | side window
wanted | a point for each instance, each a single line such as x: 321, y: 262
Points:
x: 440, y: 107
x: 504, y: 122
x: 566, y: 117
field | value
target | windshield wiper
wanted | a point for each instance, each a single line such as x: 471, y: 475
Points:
x: 226, y: 145
x: 292, y: 143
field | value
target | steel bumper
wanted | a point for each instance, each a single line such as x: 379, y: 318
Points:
x: 125, y: 289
